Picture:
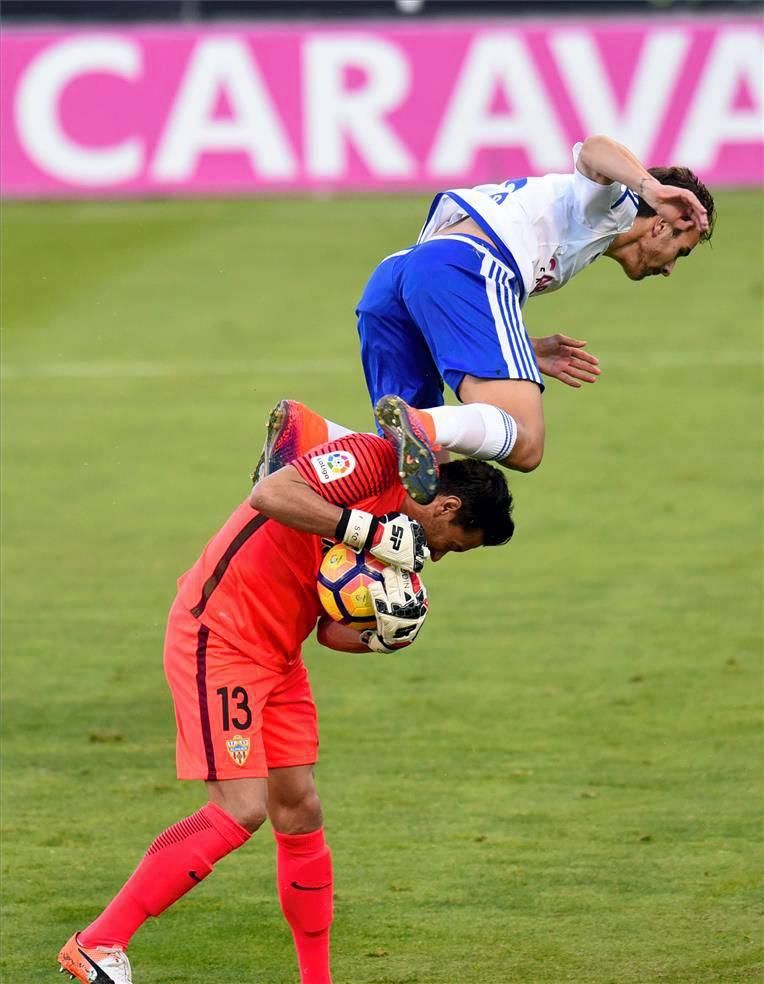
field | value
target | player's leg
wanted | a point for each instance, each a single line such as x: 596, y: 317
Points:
x: 304, y: 861
x: 499, y: 420
x: 213, y: 687
x: 176, y: 861
x: 293, y: 429
x: 462, y: 298
x: 397, y: 359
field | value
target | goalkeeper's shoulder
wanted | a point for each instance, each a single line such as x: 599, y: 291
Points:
x: 368, y: 458
x: 369, y: 449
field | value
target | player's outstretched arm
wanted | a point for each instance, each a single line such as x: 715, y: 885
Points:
x: 604, y: 160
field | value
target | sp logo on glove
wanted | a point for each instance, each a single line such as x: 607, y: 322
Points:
x: 392, y: 538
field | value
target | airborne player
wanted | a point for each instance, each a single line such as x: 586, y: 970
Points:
x: 245, y: 715
x: 450, y: 309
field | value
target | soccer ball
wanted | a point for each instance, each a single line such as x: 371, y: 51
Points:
x: 343, y: 586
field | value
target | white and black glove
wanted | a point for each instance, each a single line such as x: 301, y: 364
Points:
x: 400, y: 607
x: 392, y: 538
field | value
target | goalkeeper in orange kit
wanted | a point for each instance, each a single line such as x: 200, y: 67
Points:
x: 246, y: 719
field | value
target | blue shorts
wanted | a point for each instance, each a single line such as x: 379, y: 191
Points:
x: 439, y: 311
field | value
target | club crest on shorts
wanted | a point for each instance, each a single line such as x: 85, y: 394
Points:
x: 238, y: 749
x: 336, y: 464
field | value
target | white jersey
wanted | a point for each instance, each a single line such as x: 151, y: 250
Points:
x: 548, y: 228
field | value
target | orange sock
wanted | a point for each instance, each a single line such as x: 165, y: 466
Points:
x: 425, y: 419
x: 176, y: 862
x: 306, y: 889
x: 314, y: 429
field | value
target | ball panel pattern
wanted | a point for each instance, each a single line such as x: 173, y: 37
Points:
x: 343, y: 581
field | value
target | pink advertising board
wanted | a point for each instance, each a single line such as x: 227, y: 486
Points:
x: 246, y: 108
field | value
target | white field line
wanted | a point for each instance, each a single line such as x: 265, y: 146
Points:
x: 140, y: 210
x: 71, y: 213
x: 152, y: 370
x: 634, y: 361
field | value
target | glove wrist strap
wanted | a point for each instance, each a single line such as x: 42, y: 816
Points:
x: 357, y: 529
x: 373, y: 641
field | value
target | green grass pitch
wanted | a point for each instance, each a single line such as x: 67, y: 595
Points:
x: 561, y: 782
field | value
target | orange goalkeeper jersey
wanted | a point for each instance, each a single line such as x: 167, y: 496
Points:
x: 255, y: 581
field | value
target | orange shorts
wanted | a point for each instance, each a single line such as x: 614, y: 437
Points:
x: 236, y: 719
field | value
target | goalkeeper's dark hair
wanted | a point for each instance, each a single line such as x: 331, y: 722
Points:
x: 683, y: 177
x: 486, y: 499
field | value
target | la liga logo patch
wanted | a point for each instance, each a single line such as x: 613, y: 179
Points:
x: 336, y: 464
x: 238, y: 748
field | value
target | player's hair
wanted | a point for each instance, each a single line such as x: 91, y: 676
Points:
x: 486, y: 499
x: 683, y: 177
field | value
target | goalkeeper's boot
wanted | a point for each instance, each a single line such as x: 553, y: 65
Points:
x: 414, y: 442
x: 96, y: 965
x: 293, y: 429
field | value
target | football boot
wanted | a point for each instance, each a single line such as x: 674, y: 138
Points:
x: 97, y: 965
x: 407, y: 431
x: 293, y: 429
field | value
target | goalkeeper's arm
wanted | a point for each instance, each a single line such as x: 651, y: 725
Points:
x: 341, y: 638
x: 394, y: 539
x: 285, y: 496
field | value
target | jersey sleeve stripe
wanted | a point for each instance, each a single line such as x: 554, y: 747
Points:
x: 372, y: 474
x: 380, y: 464
x: 628, y: 193
x: 373, y: 463
x: 364, y: 472
x: 367, y: 472
x: 386, y: 468
x: 307, y: 473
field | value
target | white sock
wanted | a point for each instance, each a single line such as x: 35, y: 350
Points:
x: 477, y: 430
x: 336, y: 431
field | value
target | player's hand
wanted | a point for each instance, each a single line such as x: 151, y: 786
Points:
x: 566, y: 359
x: 400, y: 606
x: 678, y: 206
x: 392, y: 538
x: 400, y: 541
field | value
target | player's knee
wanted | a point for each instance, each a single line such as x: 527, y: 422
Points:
x: 297, y: 816
x: 526, y: 455
x: 529, y: 460
x: 250, y: 815
x: 243, y: 800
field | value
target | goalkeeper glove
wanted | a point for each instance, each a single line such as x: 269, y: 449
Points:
x: 392, y: 538
x: 400, y: 607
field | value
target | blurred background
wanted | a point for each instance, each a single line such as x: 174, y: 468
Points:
x: 562, y: 782
x: 167, y: 10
